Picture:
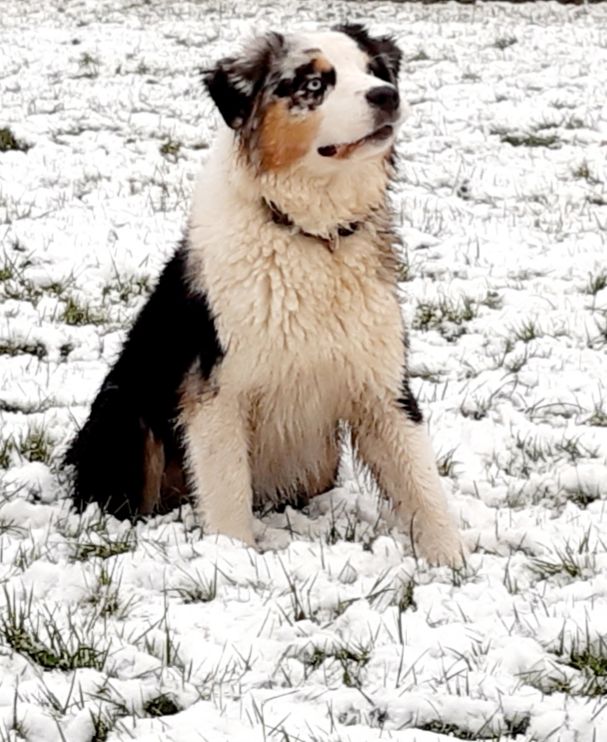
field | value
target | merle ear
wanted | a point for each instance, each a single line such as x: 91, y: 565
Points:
x: 379, y: 48
x: 234, y: 83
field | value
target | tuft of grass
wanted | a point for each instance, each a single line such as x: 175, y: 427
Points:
x: 76, y: 314
x: 351, y: 659
x: 583, y: 172
x: 420, y: 56
x: 503, y: 42
x: 198, y: 588
x: 446, y: 464
x: 598, y: 416
x: 105, y: 546
x: 528, y: 331
x: 528, y: 139
x: 9, y: 142
x: 596, y: 282
x: 41, y: 639
x: 170, y: 149
x: 89, y: 65
x: 35, y: 445
x: 16, y: 348
x: 446, y: 316
x: 162, y: 705
x: 7, y: 446
x: 125, y: 288
x: 568, y: 561
x: 105, y: 596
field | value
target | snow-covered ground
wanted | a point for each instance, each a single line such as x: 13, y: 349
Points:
x: 334, y: 632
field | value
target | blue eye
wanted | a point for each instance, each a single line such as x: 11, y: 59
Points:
x: 313, y: 85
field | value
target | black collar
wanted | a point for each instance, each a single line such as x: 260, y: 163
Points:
x: 284, y: 220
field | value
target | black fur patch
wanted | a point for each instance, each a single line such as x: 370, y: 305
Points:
x: 307, y: 88
x: 408, y: 403
x: 384, y: 55
x: 234, y: 83
x: 140, y: 394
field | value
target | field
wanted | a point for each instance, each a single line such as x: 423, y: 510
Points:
x: 333, y: 631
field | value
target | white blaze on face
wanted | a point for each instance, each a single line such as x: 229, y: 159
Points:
x: 346, y: 116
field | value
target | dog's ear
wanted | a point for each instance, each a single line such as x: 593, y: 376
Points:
x: 384, y: 54
x: 235, y: 82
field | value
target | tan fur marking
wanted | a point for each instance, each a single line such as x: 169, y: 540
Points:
x: 322, y: 64
x: 153, y: 466
x: 285, y: 139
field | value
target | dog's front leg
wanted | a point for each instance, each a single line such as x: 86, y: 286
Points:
x: 218, y: 461
x: 391, y: 439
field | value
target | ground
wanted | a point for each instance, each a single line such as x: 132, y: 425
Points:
x: 334, y: 632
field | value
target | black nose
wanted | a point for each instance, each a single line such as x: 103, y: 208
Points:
x: 385, y: 97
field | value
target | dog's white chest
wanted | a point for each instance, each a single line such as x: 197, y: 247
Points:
x: 298, y: 310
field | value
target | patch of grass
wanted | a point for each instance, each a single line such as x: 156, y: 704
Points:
x: 598, y: 417
x: 351, y: 659
x: 170, y: 149
x: 89, y: 65
x: 198, y: 588
x: 105, y: 596
x: 446, y: 316
x: 565, y: 561
x: 420, y: 56
x: 583, y: 172
x: 503, y: 42
x: 105, y: 546
x: 35, y: 445
x: 446, y: 464
x: 528, y: 331
x: 162, y: 705
x: 76, y: 313
x: 16, y: 348
x: 41, y: 639
x: 125, y: 288
x: 527, y: 139
x: 9, y: 142
x: 596, y: 282
x: 592, y: 663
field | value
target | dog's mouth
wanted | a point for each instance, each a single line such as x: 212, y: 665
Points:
x: 344, y: 150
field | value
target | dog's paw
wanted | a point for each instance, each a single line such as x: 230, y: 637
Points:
x: 445, y: 548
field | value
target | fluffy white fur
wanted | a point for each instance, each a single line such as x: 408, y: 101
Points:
x: 312, y: 337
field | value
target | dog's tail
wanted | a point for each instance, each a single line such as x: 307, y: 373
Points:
x: 127, y: 457
x: 108, y: 454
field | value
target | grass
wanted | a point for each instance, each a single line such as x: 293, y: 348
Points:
x: 446, y: 316
x: 503, y: 42
x: 46, y: 642
x: 170, y: 149
x: 162, y: 705
x: 583, y: 172
x: 527, y: 139
x: 105, y: 546
x: 127, y: 288
x: 351, y: 661
x: 197, y: 588
x: 77, y: 313
x: 9, y: 142
x: 35, y: 445
x: 16, y: 348
x: 596, y: 282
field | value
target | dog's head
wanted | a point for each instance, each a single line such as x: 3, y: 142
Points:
x: 319, y: 99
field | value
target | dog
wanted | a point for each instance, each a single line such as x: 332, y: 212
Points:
x: 276, y: 323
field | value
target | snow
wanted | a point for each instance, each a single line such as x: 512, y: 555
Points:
x: 334, y: 631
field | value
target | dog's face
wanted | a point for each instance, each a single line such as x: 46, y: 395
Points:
x: 321, y: 99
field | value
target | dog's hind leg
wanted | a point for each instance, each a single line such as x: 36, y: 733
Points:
x: 217, y: 457
x: 391, y: 438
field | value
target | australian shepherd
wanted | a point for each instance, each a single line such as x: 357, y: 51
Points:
x: 276, y: 324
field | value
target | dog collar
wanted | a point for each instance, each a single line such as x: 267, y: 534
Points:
x: 284, y: 220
